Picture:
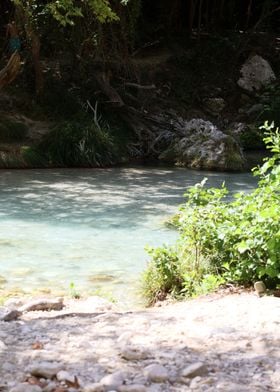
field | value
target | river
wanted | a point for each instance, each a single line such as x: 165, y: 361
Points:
x: 85, y: 230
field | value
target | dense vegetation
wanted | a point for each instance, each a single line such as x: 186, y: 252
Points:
x: 222, y: 241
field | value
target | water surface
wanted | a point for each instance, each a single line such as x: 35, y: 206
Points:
x: 90, y: 226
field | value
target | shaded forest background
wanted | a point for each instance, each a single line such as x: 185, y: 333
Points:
x: 129, y: 60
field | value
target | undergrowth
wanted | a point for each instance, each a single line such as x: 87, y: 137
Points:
x: 79, y: 144
x: 221, y: 241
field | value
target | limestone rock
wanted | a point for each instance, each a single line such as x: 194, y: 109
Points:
x: 256, y: 72
x: 259, y: 287
x: 7, y: 314
x: 114, y: 380
x: 95, y: 387
x: 25, y: 387
x: 195, y: 370
x: 131, y: 353
x: 2, y: 346
x: 156, y: 373
x: 62, y: 375
x: 45, y: 369
x: 204, y: 146
x: 42, y: 304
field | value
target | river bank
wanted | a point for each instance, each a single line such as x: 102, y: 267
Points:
x: 214, y: 343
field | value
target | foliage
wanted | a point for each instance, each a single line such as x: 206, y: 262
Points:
x: 79, y: 144
x: 74, y: 293
x: 66, y: 11
x: 236, y: 241
x: 271, y: 100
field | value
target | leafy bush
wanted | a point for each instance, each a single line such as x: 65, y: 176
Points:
x: 79, y: 144
x: 236, y: 241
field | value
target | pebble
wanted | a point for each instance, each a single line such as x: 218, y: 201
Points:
x: 62, y: 375
x: 25, y: 387
x: 132, y: 388
x: 134, y: 353
x: 156, y: 373
x: 45, y: 369
x: 194, y: 370
x: 114, y: 380
x: 96, y: 387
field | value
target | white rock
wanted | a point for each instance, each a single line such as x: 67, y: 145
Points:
x: 62, y: 375
x: 259, y: 287
x: 24, y: 387
x: 256, y: 73
x: 134, y: 353
x: 114, y: 380
x: 42, y: 304
x: 96, y: 387
x: 156, y: 373
x: 45, y: 369
x: 195, y: 370
x: 2, y: 346
x: 204, y: 146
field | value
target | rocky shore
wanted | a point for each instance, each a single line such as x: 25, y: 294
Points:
x: 215, y: 343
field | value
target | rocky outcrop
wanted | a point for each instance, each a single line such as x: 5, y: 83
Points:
x: 204, y: 146
x: 256, y: 73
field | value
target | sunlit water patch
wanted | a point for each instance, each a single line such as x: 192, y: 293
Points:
x: 89, y: 227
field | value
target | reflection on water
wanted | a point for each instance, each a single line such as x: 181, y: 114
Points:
x: 81, y: 225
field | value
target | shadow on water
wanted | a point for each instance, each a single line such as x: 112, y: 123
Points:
x: 105, y: 198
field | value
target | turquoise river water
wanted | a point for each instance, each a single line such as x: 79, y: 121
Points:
x: 89, y: 226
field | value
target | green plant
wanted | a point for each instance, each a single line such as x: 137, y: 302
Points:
x: 220, y: 240
x: 79, y: 144
x: 163, y: 275
x: 73, y: 291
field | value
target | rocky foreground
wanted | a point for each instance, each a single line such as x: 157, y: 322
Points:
x: 216, y: 343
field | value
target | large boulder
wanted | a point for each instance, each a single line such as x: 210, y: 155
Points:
x: 256, y: 73
x: 204, y: 146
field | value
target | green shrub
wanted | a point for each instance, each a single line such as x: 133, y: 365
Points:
x: 79, y: 144
x: 222, y: 241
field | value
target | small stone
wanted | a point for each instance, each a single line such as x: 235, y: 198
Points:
x: 195, y: 370
x: 96, y: 387
x: 24, y: 387
x: 134, y: 353
x: 7, y: 314
x: 259, y: 287
x: 45, y: 369
x: 114, y: 380
x: 2, y: 346
x: 156, y: 373
x: 132, y: 388
x: 62, y: 375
